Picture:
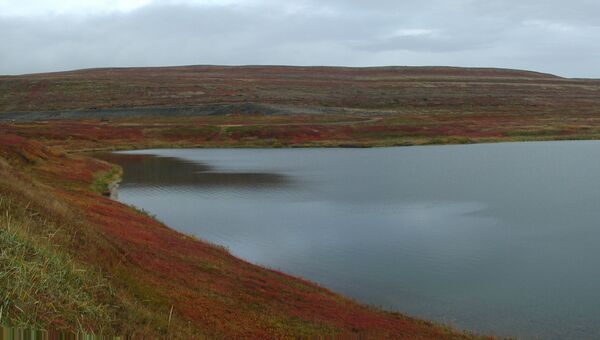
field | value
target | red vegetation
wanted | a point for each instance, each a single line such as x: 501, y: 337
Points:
x: 402, y: 89
x: 218, y: 294
x: 19, y: 149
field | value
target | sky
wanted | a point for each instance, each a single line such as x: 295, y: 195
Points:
x: 554, y: 36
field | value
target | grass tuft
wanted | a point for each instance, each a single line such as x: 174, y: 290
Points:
x: 104, y: 181
x: 40, y: 286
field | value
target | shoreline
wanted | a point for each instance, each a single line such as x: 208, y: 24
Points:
x: 114, y: 184
x: 114, y: 196
x: 319, y: 146
x: 151, y: 269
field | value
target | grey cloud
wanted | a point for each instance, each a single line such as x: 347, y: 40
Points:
x: 548, y: 36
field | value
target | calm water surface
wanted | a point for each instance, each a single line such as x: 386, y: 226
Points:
x: 500, y: 238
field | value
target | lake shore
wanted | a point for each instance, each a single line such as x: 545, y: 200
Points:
x: 156, y: 279
x: 66, y: 141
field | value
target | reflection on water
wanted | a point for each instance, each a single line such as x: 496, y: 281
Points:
x: 150, y: 170
x: 502, y: 239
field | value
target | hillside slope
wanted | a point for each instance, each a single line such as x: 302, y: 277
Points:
x: 296, y: 90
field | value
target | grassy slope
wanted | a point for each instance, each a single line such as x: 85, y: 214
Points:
x: 40, y: 285
x: 75, y: 260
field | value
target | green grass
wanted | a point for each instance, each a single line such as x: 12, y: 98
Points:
x: 40, y: 286
x: 103, y: 181
x: 191, y: 131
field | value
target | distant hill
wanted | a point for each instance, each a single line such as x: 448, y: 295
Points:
x: 285, y: 89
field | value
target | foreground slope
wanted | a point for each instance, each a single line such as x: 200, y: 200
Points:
x: 93, y: 264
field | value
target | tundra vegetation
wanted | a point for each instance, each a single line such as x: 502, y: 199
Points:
x: 73, y: 260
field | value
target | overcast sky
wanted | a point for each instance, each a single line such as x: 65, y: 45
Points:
x: 556, y: 36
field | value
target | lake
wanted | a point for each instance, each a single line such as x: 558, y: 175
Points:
x: 502, y: 239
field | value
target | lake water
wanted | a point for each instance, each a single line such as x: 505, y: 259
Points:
x: 502, y: 239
